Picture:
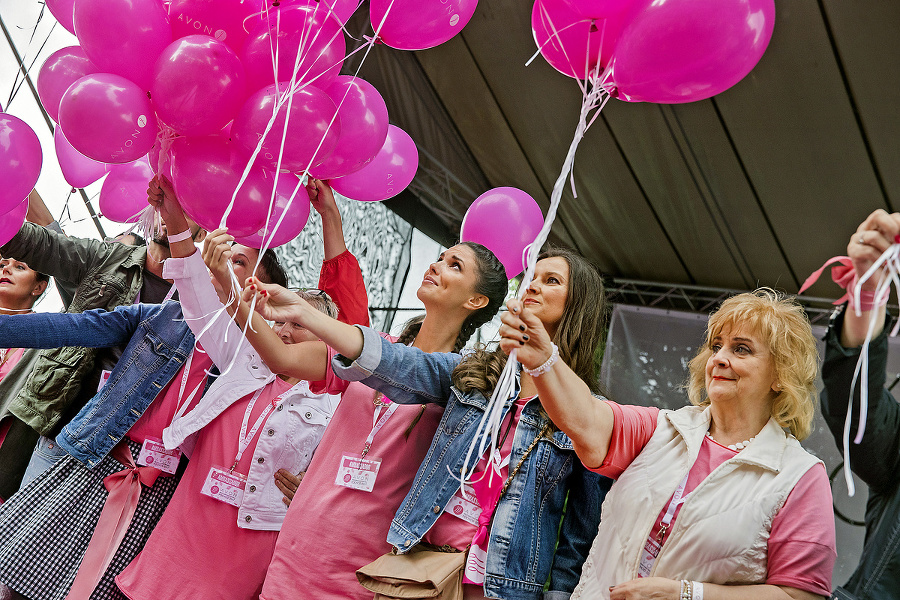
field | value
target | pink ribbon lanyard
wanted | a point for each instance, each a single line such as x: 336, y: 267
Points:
x: 182, y: 407
x: 377, y: 424
x: 115, y: 518
x: 247, y: 437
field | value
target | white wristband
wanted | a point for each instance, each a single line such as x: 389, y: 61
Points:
x: 697, y: 591
x: 538, y: 371
x: 179, y: 237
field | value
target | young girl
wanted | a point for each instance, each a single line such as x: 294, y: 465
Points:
x: 339, y: 518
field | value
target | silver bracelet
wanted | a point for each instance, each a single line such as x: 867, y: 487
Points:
x: 179, y: 237
x: 538, y: 371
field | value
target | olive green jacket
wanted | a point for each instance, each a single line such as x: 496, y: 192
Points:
x: 40, y: 389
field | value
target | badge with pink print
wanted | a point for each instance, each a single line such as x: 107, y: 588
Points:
x: 224, y: 485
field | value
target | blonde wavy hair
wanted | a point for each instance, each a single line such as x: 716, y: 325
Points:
x: 785, y: 329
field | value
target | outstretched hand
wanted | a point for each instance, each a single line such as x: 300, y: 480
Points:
x: 524, y: 332
x: 216, y: 252
x: 872, y: 238
x: 274, y: 302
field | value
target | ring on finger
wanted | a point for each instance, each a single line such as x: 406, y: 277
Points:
x: 861, y: 239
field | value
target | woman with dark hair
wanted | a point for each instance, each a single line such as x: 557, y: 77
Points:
x: 512, y: 514
x: 339, y: 518
x: 20, y: 288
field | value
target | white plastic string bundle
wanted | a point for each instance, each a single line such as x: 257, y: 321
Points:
x: 890, y: 261
x: 594, y: 98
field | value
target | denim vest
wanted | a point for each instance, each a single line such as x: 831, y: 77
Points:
x: 524, y: 529
x: 160, y: 342
x: 875, y: 460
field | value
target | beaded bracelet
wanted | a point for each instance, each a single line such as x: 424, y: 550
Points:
x: 687, y: 590
x: 179, y: 237
x: 538, y: 371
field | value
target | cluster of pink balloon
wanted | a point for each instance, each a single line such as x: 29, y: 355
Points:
x: 196, y: 89
x: 20, y: 164
x: 670, y: 51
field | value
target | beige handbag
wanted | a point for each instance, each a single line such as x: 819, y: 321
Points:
x: 426, y: 571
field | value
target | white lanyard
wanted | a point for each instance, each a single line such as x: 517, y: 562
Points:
x: 677, y: 501
x: 184, y: 379
x: 378, y: 423
x: 247, y: 437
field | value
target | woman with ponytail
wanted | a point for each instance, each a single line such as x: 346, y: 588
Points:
x: 338, y: 518
x: 509, y: 514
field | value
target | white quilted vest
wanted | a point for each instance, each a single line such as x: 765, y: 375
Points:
x: 722, y: 531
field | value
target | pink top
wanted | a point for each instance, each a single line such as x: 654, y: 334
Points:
x: 197, y: 534
x: 11, y: 359
x: 330, y: 531
x: 801, y: 553
x: 159, y: 414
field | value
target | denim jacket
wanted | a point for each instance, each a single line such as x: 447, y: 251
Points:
x: 160, y: 342
x: 876, y: 460
x: 524, y: 529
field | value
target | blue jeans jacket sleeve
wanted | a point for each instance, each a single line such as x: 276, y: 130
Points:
x: 404, y: 374
x: 579, y: 528
x: 95, y: 328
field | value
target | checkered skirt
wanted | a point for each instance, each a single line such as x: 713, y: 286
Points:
x: 46, y: 526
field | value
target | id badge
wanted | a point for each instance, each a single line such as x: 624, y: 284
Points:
x: 357, y: 473
x: 224, y: 486
x: 464, y: 507
x: 104, y: 377
x: 648, y: 557
x: 154, y: 454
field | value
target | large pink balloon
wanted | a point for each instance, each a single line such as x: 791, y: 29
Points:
x: 219, y: 19
x: 108, y: 118
x: 62, y: 69
x: 303, y: 28
x: 598, y: 9
x: 124, y: 37
x: 78, y: 170
x: 310, y: 113
x: 293, y: 222
x: 419, y: 24
x: 123, y: 195
x: 205, y: 173
x: 364, y: 126
x: 686, y: 50
x: 571, y: 43
x: 20, y: 161
x: 392, y: 169
x: 198, y: 85
x: 11, y: 221
x: 62, y: 10
x: 505, y: 220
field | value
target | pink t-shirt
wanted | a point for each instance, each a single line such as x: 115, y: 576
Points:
x: 162, y: 410
x: 183, y: 558
x: 801, y: 553
x: 11, y: 359
x: 330, y: 531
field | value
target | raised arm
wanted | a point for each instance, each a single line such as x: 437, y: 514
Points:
x: 95, y: 328
x: 587, y: 420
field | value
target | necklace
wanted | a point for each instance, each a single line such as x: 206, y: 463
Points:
x: 736, y: 447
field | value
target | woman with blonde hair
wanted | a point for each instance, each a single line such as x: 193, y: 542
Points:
x: 717, y: 500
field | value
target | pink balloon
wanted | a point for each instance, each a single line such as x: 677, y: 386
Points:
x: 292, y: 224
x: 219, y: 19
x: 62, y: 10
x: 505, y: 220
x: 687, y: 50
x: 124, y: 37
x: 364, y: 125
x: 123, y: 195
x: 341, y: 10
x: 311, y: 112
x: 20, y: 161
x: 392, y: 169
x: 571, y: 43
x: 419, y: 24
x: 205, y: 173
x: 598, y: 9
x: 198, y: 85
x: 78, y: 170
x: 303, y: 26
x: 108, y: 118
x: 62, y: 69
x: 11, y: 221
